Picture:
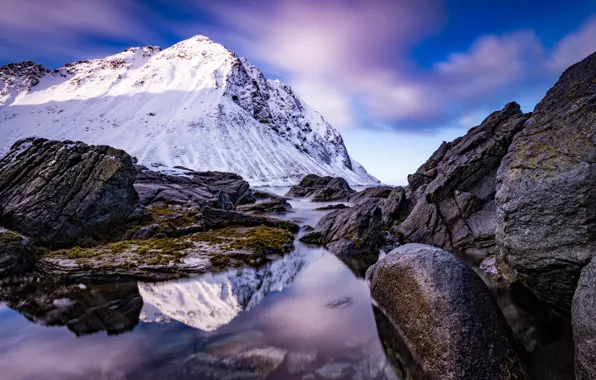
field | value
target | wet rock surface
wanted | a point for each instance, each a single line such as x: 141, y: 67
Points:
x: 56, y: 192
x: 371, y: 192
x: 321, y: 189
x: 546, y: 200
x: 584, y: 323
x: 444, y: 314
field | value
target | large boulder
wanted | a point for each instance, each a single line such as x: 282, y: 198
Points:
x: 584, y: 323
x: 17, y: 253
x: 453, y: 192
x: 445, y: 315
x: 56, y: 192
x: 546, y: 197
x: 321, y: 189
x: 187, y: 187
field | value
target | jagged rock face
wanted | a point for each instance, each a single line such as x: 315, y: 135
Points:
x: 321, y: 189
x: 452, y: 194
x: 195, y: 104
x: 546, y: 196
x: 187, y: 187
x: 584, y: 323
x: 17, y: 253
x: 57, y: 192
x: 445, y: 315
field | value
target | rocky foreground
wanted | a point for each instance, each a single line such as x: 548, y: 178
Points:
x: 79, y: 212
x: 514, y: 197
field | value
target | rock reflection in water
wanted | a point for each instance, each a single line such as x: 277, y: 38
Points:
x: 83, y: 309
x: 215, y: 299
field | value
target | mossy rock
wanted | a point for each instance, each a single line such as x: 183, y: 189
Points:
x: 17, y: 253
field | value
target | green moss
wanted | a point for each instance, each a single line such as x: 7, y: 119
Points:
x: 9, y: 238
x: 260, y: 239
x: 187, y: 218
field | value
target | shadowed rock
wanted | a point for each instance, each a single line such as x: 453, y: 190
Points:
x: 546, y: 194
x: 215, y: 218
x: 444, y: 314
x: 584, y: 323
x: 56, y: 192
x: 321, y: 189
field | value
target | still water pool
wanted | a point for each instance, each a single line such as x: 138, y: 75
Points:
x: 307, y: 315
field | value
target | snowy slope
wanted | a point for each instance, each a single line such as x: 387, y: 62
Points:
x: 213, y: 300
x: 195, y: 104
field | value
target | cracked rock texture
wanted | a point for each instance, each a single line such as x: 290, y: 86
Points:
x: 584, y: 323
x: 321, y: 189
x: 56, y: 192
x: 546, y: 192
x: 454, y: 191
x: 214, y: 189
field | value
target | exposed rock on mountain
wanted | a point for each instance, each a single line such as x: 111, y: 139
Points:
x: 187, y: 187
x: 546, y: 195
x: 453, y: 192
x: 445, y: 315
x: 56, y: 192
x: 321, y: 189
x: 195, y: 104
x: 584, y: 323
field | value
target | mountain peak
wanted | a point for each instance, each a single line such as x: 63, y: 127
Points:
x: 195, y: 104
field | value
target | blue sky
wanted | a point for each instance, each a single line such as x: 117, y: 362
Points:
x: 396, y: 77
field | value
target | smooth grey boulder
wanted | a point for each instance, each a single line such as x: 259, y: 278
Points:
x: 546, y: 191
x: 17, y: 253
x: 56, y: 192
x: 214, y: 189
x: 445, y: 315
x: 452, y: 193
x: 321, y: 189
x: 584, y: 323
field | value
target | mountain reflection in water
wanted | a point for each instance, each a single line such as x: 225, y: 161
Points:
x: 305, y: 314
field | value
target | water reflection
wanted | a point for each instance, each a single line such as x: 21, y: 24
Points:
x: 213, y: 300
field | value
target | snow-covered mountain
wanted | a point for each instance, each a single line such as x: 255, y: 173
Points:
x: 195, y: 104
x: 215, y: 299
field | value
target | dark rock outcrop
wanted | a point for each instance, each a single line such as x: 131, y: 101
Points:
x: 546, y: 195
x: 321, y: 189
x: 56, y: 192
x: 362, y: 228
x: 17, y: 253
x: 214, y: 189
x: 453, y: 192
x: 371, y: 192
x: 339, y: 206
x: 445, y: 315
x: 349, y: 231
x: 266, y: 202
x: 584, y: 323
